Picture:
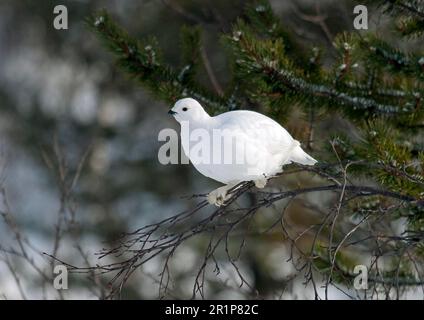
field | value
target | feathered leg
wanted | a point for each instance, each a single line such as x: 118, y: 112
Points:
x: 220, y: 195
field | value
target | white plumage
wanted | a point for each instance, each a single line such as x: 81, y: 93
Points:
x: 235, y: 146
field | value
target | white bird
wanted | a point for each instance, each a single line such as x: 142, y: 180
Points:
x: 235, y: 146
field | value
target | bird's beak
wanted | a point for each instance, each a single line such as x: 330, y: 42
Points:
x: 171, y: 112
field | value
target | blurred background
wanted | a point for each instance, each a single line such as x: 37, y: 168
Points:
x: 78, y: 145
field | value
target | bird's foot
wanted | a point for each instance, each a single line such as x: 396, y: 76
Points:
x: 261, y: 183
x: 219, y: 196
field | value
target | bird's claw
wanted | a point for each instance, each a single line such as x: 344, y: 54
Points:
x: 219, y: 197
x: 261, y: 183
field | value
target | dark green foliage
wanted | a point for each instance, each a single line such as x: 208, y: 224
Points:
x: 382, y: 55
x: 411, y: 27
x: 410, y: 15
x: 143, y: 61
x: 190, y: 47
x: 413, y: 8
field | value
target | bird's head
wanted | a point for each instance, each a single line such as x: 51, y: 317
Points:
x: 188, y: 109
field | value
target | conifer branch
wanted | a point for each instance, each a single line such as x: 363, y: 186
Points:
x: 142, y: 60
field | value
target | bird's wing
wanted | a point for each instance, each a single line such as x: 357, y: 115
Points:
x: 257, y: 128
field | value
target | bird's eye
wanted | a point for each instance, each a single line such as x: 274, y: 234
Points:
x: 185, y: 109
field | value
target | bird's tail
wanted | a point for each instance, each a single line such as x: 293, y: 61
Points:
x: 298, y: 155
